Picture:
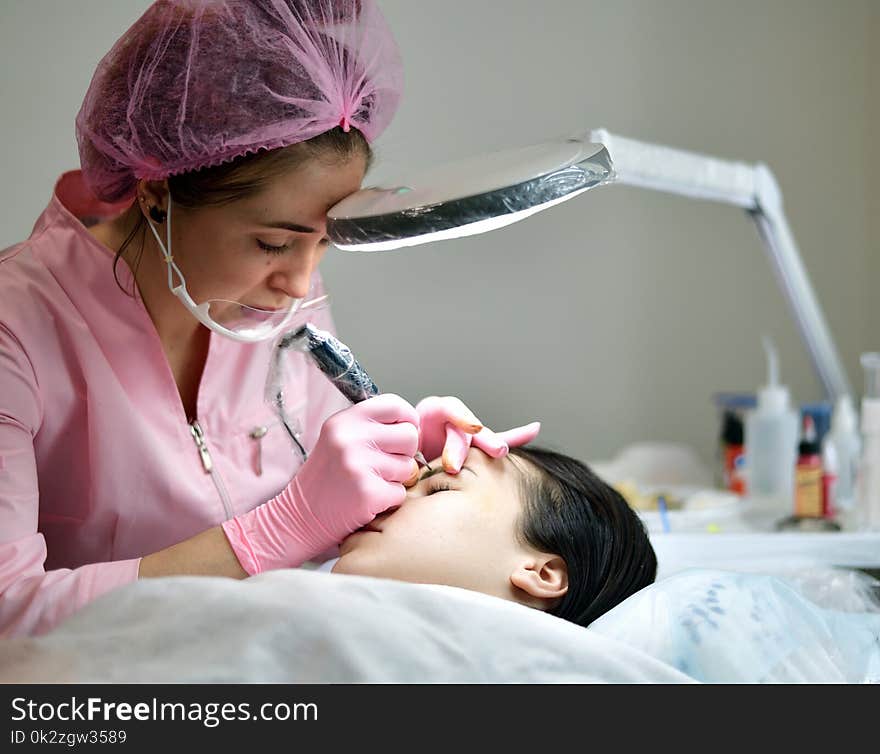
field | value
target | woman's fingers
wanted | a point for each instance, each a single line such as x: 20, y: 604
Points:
x: 401, y: 439
x: 448, y: 428
x: 490, y: 443
x: 520, y: 435
x: 387, y: 408
x: 456, y: 449
x: 497, y: 444
x: 397, y: 469
x: 449, y: 409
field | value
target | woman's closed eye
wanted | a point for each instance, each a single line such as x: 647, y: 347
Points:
x: 270, y: 249
x: 438, y: 486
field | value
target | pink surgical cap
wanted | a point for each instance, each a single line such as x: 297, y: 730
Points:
x: 195, y: 83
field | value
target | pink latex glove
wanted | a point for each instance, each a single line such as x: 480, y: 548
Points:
x: 449, y: 428
x: 357, y: 470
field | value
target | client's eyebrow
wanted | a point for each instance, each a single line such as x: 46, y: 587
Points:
x: 440, y: 470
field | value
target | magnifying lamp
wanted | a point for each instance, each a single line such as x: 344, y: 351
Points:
x: 490, y: 191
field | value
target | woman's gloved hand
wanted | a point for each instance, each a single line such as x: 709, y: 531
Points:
x: 357, y: 470
x: 448, y: 429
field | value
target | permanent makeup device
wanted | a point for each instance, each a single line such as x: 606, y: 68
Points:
x: 336, y: 362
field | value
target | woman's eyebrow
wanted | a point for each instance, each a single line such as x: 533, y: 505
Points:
x: 439, y: 470
x: 295, y: 227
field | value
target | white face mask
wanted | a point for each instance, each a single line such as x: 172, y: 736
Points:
x: 230, y: 318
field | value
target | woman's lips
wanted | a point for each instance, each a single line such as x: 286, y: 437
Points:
x: 282, y: 306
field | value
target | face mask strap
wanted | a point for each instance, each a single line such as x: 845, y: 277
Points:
x: 165, y: 252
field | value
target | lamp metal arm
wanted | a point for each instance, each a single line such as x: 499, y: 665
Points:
x: 754, y: 189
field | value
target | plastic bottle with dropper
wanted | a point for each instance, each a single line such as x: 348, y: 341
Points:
x: 771, y: 440
x: 841, y: 451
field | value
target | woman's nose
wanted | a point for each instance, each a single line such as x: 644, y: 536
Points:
x: 293, y: 285
x: 294, y: 277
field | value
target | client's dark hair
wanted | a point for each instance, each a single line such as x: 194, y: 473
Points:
x: 570, y: 512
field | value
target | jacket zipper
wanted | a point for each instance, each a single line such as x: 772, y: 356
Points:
x: 199, y: 436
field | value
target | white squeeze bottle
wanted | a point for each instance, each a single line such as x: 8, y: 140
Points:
x: 843, y: 444
x: 771, y: 441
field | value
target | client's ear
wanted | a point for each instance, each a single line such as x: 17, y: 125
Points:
x: 543, y: 577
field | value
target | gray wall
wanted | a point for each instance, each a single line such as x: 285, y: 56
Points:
x: 612, y: 318
x: 871, y: 335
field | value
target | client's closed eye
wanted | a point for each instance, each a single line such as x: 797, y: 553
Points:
x: 438, y: 487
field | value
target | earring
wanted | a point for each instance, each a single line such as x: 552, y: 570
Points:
x: 157, y: 214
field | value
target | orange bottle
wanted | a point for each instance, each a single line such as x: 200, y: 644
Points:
x: 733, y: 450
x: 808, y: 492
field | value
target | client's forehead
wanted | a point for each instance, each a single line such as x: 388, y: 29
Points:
x: 506, y: 471
x: 480, y: 462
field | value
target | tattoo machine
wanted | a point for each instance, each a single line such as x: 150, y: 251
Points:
x: 336, y: 362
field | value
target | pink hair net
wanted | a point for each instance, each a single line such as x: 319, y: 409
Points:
x: 195, y: 83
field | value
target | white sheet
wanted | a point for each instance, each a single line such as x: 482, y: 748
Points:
x: 312, y: 627
x: 303, y: 626
x: 734, y: 627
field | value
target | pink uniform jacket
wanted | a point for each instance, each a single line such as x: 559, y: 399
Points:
x: 99, y: 465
